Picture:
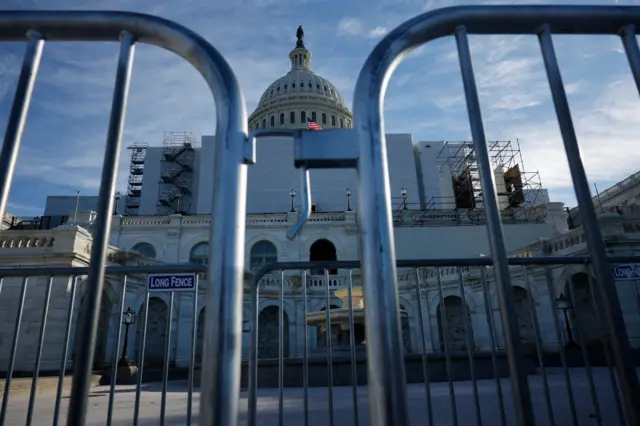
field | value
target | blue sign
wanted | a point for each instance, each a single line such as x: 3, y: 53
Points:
x: 171, y: 282
x: 627, y: 272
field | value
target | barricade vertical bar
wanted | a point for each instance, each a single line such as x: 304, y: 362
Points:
x: 385, y: 361
x: 352, y: 347
x: 14, y: 348
x: 630, y: 43
x: 192, y: 354
x: 116, y: 350
x: 88, y: 319
x: 519, y: 384
x: 425, y: 361
x: 469, y: 342
x: 606, y: 288
x: 329, y: 340
x: 165, y: 365
x: 65, y: 350
x: 140, y: 356
x: 305, y: 350
x: 583, y: 349
x: 492, y: 340
x: 447, y: 357
x: 36, y: 368
x: 223, y: 318
x: 18, y: 115
x: 538, y: 338
x: 252, y: 397
x: 281, y: 353
x: 563, y: 356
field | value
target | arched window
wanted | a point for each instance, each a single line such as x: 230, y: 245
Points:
x: 323, y: 250
x: 264, y: 123
x: 333, y: 121
x: 145, y: 249
x: 324, y: 118
x: 292, y: 117
x: 262, y: 253
x: 313, y: 116
x: 281, y: 118
x: 199, y: 254
x: 303, y: 117
x: 273, y: 121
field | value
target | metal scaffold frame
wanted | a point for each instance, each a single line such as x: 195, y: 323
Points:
x: 519, y: 193
x: 136, y: 171
x: 176, y: 173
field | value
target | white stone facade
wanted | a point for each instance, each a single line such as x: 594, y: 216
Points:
x: 176, y: 240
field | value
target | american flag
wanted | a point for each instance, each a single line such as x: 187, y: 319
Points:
x: 313, y: 125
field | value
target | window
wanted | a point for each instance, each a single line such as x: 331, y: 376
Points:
x: 310, y: 85
x: 285, y: 87
x: 324, y: 118
x: 257, y: 125
x: 278, y: 89
x: 262, y: 253
x: 348, y: 123
x: 333, y: 121
x: 293, y: 85
x: 313, y: 116
x: 281, y: 118
x: 273, y: 121
x: 341, y: 123
x: 199, y: 254
x: 303, y: 117
x: 145, y: 249
x: 292, y: 117
x: 264, y: 123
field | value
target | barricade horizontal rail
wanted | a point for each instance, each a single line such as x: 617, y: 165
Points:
x: 36, y: 27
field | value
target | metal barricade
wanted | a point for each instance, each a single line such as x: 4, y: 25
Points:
x: 454, y: 376
x: 222, y: 342
x: 363, y: 148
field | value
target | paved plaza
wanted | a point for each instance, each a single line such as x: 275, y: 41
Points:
x: 343, y: 407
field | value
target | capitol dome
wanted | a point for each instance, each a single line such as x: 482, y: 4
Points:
x: 299, y: 96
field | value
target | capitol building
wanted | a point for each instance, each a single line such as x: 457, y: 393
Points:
x: 164, y: 217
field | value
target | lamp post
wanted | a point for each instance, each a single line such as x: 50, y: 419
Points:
x: 403, y: 192
x: 115, y: 206
x: 564, y: 305
x: 292, y: 194
x: 128, y: 318
x: 348, y: 192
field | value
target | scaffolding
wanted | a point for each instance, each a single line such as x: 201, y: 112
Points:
x: 136, y: 171
x: 519, y: 191
x: 176, y: 173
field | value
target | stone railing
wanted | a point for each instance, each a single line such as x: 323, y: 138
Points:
x: 27, y: 239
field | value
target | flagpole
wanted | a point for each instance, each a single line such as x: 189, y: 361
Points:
x: 75, y: 214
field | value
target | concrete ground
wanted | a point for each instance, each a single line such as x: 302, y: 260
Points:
x: 342, y: 405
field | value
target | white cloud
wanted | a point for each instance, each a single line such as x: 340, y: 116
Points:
x: 377, y: 32
x: 355, y: 27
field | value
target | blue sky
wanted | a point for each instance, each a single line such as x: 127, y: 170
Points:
x: 65, y: 133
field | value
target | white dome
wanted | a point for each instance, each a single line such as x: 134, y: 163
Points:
x: 299, y: 96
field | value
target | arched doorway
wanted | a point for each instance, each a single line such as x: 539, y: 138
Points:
x: 200, y: 336
x: 323, y: 250
x: 156, y: 332
x: 101, y: 359
x: 523, y: 314
x: 583, y: 314
x: 454, y: 315
x: 406, y: 330
x: 268, y: 333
